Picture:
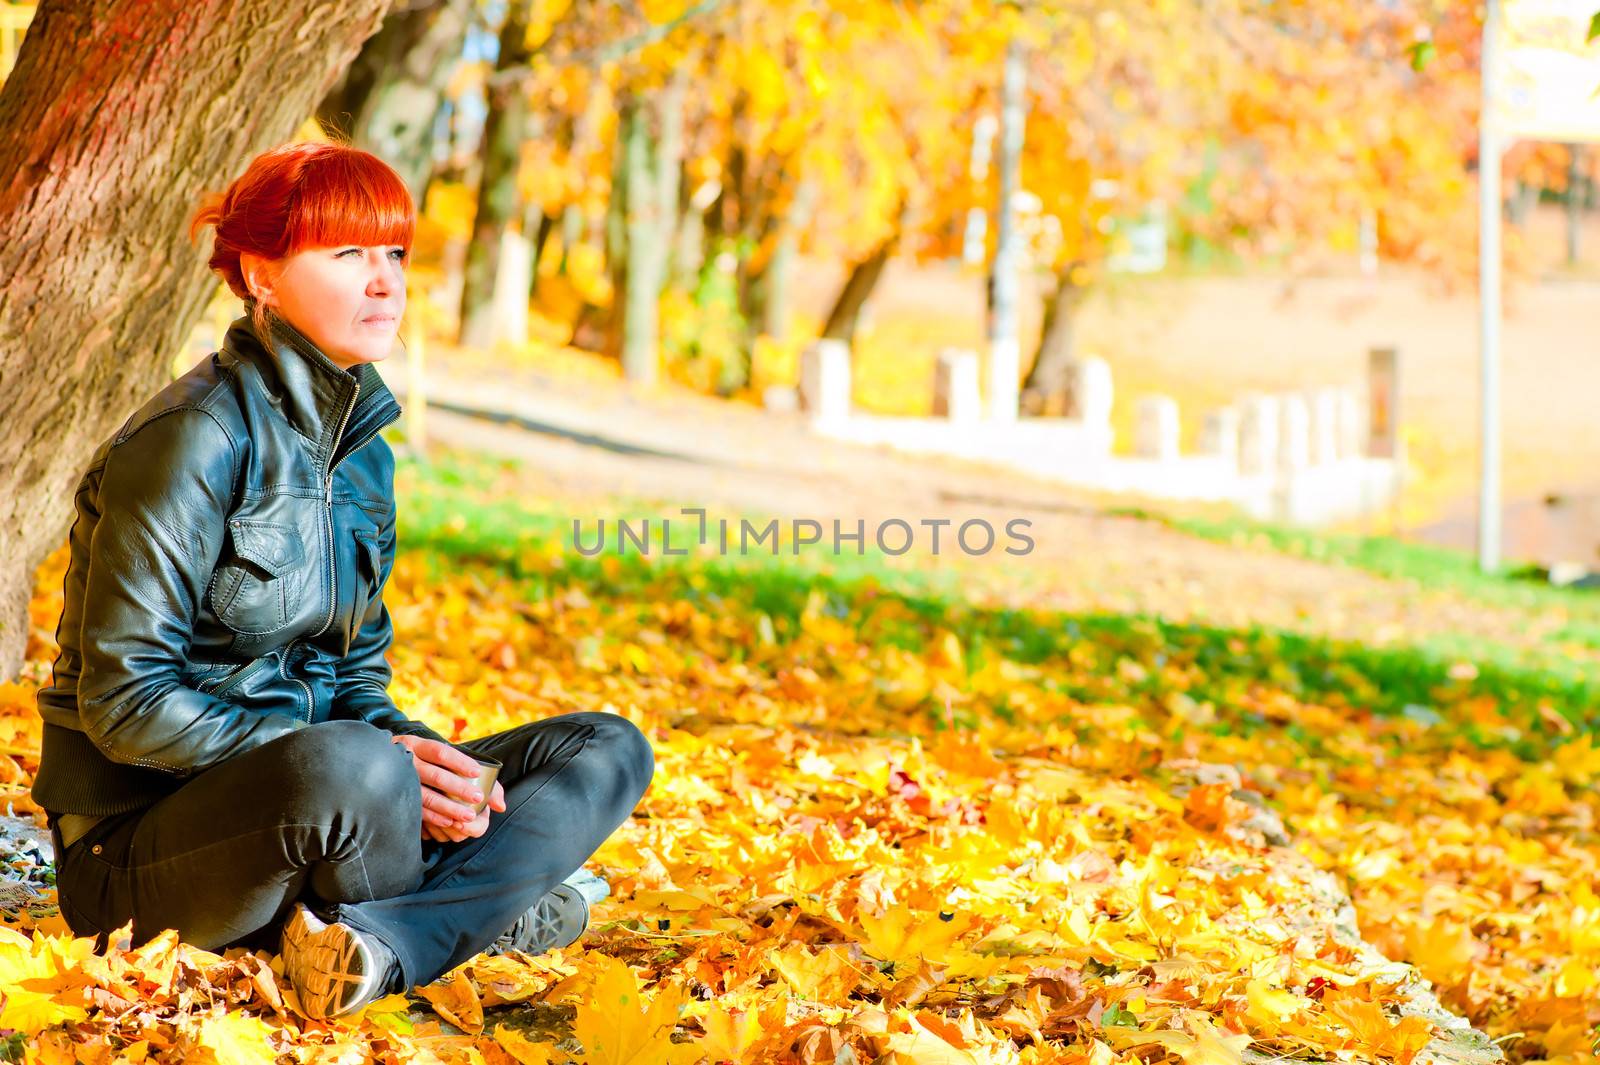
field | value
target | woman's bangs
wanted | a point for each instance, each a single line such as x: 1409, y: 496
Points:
x: 352, y: 198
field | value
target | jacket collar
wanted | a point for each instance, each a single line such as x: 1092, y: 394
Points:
x: 311, y: 390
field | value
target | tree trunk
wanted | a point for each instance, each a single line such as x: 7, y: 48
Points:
x: 640, y: 220
x: 430, y: 174
x: 387, y: 99
x: 774, y: 291
x: 513, y: 281
x: 572, y: 229
x: 1048, y: 387
x: 450, y: 166
x: 499, y: 200
x: 542, y: 224
x: 607, y: 324
x: 118, y: 116
x: 725, y: 218
x: 768, y: 299
x: 688, y: 243
x: 756, y: 235
x: 846, y: 312
x: 669, y: 163
x: 646, y: 243
x: 1521, y: 203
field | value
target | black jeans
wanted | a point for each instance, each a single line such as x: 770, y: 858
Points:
x: 332, y: 814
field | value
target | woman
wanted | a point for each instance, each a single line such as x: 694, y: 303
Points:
x: 221, y: 754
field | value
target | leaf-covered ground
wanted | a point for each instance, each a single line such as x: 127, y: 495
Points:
x: 893, y: 821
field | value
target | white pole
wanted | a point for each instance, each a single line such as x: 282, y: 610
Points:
x: 1489, y: 148
x: 1004, y: 353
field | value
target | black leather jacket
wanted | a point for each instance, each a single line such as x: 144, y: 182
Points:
x: 228, y: 560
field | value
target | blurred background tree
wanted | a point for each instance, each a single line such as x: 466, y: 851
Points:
x: 656, y: 181
x: 675, y: 158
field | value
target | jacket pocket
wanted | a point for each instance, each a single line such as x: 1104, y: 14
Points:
x: 369, y: 573
x: 257, y: 586
x: 261, y: 685
x: 203, y: 676
x: 222, y: 683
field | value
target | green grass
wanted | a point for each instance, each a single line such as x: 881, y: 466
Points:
x: 453, y: 511
x: 1428, y: 565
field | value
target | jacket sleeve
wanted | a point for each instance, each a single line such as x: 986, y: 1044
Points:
x: 163, y: 500
x: 361, y: 687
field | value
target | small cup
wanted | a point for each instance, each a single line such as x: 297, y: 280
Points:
x: 488, y: 771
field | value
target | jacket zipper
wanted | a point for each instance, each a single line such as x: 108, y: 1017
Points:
x: 360, y: 443
x: 283, y: 663
x: 333, y: 587
x: 234, y: 679
x: 327, y: 498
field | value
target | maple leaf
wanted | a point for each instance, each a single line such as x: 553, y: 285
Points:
x: 456, y: 1000
x: 390, y: 1012
x: 922, y: 1047
x: 516, y: 977
x: 30, y: 1008
x: 1203, y: 1044
x: 235, y: 1038
x: 524, y: 1050
x: 901, y: 935
x: 827, y: 976
x: 1375, y: 1033
x: 617, y: 1025
x: 1442, y: 948
x: 1568, y: 1038
x: 730, y: 1033
x: 914, y: 986
x: 1212, y: 807
x: 1269, y: 1006
x: 1576, y: 978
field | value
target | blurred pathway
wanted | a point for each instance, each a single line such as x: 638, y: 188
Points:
x: 591, y: 442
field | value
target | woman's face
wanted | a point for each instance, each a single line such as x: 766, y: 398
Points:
x: 346, y: 299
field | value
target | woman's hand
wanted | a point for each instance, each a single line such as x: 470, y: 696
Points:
x: 449, y: 779
x: 457, y: 832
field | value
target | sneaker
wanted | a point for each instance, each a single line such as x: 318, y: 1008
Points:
x: 558, y: 919
x: 335, y: 969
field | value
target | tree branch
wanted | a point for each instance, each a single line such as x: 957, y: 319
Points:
x: 520, y: 73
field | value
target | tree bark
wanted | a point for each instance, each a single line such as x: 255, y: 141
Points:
x: 387, y: 99
x: 118, y: 115
x: 499, y: 200
x: 1047, y: 389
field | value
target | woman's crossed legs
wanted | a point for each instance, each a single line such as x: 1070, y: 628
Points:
x: 331, y: 814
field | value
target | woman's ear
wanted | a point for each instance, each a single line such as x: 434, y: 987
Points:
x: 257, y: 276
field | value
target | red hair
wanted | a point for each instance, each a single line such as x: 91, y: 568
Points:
x: 303, y: 194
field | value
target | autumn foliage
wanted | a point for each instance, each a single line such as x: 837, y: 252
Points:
x: 889, y: 826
